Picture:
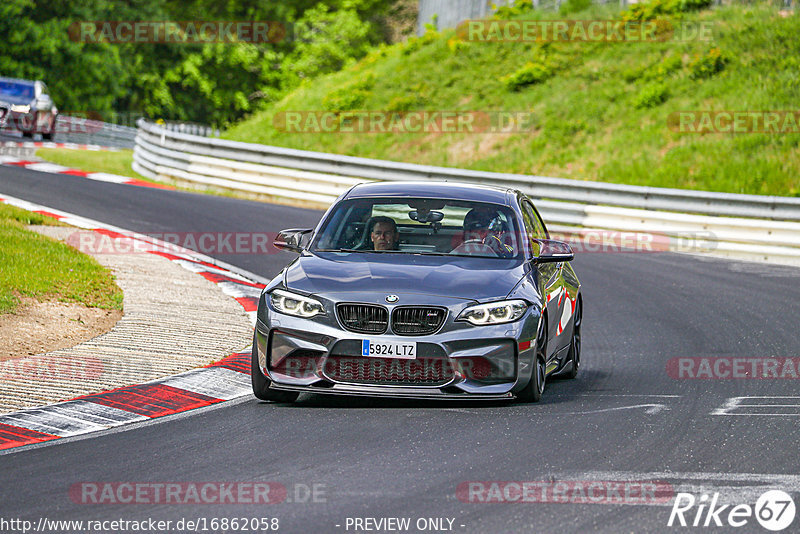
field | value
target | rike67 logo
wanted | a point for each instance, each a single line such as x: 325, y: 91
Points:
x: 774, y: 510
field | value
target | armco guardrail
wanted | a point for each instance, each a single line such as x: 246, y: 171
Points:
x: 743, y: 220
x: 91, y: 132
x: 153, y: 139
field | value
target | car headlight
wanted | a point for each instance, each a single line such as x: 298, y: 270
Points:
x: 297, y: 305
x: 501, y: 312
x: 20, y: 109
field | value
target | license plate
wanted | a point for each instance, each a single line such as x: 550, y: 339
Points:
x: 384, y: 349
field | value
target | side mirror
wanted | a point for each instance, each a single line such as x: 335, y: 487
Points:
x: 292, y: 239
x: 552, y: 251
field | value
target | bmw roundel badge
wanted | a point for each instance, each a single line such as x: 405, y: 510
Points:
x: 391, y: 299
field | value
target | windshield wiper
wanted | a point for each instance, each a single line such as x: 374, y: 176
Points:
x: 343, y: 250
x: 365, y: 250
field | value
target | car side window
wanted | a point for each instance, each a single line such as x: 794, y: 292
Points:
x: 539, y: 230
x: 530, y: 230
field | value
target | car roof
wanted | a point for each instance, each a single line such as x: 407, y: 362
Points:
x: 448, y: 190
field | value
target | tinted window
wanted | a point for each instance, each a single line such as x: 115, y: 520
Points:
x: 539, y: 230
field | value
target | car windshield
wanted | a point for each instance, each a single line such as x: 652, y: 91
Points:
x: 17, y: 90
x: 420, y: 226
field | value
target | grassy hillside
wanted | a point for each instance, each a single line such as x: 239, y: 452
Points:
x: 600, y: 109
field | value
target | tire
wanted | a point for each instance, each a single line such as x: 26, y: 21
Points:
x: 533, y: 391
x: 47, y: 134
x: 27, y: 127
x: 575, y: 344
x: 261, y: 383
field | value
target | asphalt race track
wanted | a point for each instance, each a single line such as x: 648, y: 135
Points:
x: 624, y: 419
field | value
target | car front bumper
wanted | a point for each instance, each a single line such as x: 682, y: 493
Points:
x: 34, y: 121
x: 488, y: 362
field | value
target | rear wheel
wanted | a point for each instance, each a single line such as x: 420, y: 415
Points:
x: 575, y: 345
x: 261, y: 383
x: 533, y: 391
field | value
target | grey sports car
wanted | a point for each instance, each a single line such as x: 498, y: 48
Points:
x: 420, y: 290
x: 30, y: 108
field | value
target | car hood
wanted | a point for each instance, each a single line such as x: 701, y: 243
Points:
x: 446, y: 276
x: 16, y: 100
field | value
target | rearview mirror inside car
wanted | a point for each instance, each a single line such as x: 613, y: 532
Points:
x: 425, y: 216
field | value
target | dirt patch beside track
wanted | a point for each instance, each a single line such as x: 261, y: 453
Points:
x: 38, y: 327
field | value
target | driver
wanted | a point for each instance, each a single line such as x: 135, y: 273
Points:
x: 481, y: 229
x: 384, y: 234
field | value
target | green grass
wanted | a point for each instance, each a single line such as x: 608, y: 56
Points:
x: 35, y: 266
x: 600, y: 109
x: 112, y: 162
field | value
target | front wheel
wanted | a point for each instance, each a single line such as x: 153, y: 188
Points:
x: 261, y: 383
x: 533, y: 391
x: 49, y: 129
x: 575, y: 346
